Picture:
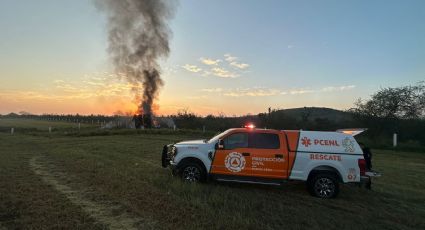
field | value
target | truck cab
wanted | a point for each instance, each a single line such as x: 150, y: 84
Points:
x: 264, y: 156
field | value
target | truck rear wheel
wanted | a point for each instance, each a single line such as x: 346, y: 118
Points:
x: 323, y: 185
x: 192, y: 172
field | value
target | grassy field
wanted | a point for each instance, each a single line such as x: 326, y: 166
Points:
x: 92, y: 179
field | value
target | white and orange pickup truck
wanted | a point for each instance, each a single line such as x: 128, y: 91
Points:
x: 264, y: 156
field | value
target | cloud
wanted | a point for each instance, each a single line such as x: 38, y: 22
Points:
x: 241, y: 92
x: 300, y: 91
x: 252, y: 92
x: 338, y: 88
x: 265, y: 92
x: 290, y: 46
x: 239, y: 65
x: 208, y: 61
x: 221, y: 72
x: 232, y: 62
x: 230, y: 58
x: 192, y: 68
x: 326, y: 89
x: 212, y: 90
x: 216, y: 68
x: 87, y: 87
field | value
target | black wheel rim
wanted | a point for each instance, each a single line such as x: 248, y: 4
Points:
x: 191, y: 174
x: 324, y: 187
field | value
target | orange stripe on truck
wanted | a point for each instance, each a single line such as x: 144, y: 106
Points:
x: 293, y: 137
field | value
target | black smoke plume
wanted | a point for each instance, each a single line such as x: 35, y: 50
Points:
x: 138, y: 37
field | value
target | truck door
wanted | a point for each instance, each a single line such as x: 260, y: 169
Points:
x: 234, y: 158
x: 268, y: 155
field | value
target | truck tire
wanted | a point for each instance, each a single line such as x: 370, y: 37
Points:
x: 323, y: 185
x: 192, y: 172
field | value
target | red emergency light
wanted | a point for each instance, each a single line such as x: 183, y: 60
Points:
x: 250, y: 126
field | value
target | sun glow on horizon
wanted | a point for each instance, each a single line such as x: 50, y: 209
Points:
x: 109, y: 94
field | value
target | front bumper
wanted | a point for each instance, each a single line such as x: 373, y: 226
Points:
x: 170, y: 165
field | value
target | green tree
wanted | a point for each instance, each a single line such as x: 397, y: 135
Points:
x: 393, y: 110
x: 406, y: 102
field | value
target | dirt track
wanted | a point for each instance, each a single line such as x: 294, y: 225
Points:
x: 104, y: 213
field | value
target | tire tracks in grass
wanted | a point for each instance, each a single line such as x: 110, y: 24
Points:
x: 107, y: 214
x: 147, y: 162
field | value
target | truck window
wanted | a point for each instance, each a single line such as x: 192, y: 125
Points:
x: 264, y: 141
x: 236, y: 140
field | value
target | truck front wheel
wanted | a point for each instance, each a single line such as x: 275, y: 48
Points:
x: 323, y: 185
x: 192, y: 172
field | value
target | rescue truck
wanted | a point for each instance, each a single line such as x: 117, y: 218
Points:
x: 264, y: 156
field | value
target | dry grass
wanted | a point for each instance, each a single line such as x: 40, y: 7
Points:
x: 124, y: 170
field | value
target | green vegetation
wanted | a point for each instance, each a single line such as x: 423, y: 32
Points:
x: 39, y: 125
x: 121, y: 168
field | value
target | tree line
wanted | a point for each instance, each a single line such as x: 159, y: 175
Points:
x: 390, y: 110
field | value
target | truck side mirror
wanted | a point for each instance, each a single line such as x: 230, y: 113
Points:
x: 220, y: 144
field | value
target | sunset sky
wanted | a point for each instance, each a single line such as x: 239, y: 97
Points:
x: 227, y: 56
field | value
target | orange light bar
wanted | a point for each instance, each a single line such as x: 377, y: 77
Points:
x: 352, y: 132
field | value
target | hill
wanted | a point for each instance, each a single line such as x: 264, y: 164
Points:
x: 313, y: 113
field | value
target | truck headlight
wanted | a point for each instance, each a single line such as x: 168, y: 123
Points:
x: 174, y: 151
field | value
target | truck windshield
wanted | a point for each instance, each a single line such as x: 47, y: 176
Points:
x: 218, y: 136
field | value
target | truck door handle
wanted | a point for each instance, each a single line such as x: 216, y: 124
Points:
x: 245, y: 154
x: 278, y: 155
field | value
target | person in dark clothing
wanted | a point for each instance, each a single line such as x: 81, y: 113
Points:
x: 367, y: 154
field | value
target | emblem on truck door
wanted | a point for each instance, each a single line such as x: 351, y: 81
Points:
x: 235, y: 162
x: 348, y: 145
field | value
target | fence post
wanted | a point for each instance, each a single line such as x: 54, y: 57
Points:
x: 12, y: 131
